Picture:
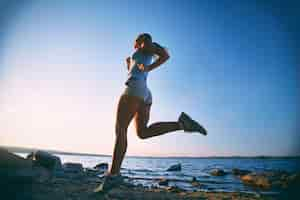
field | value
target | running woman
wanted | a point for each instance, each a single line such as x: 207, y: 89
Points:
x: 135, y: 103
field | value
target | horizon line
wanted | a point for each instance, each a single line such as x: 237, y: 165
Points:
x: 17, y: 149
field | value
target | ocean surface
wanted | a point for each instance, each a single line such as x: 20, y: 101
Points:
x: 148, y: 170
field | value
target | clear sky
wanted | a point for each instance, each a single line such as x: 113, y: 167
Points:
x: 234, y: 67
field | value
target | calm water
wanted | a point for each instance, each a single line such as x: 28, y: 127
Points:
x: 146, y: 171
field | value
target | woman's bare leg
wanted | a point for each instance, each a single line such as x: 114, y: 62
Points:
x: 155, y: 129
x: 127, y: 107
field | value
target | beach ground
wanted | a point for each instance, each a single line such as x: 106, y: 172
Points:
x: 82, y: 189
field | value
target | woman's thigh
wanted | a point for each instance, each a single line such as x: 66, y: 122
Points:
x: 142, y: 117
x: 127, y: 107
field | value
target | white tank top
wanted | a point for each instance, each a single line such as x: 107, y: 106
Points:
x: 134, y: 73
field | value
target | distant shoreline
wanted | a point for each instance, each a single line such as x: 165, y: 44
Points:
x: 29, y: 150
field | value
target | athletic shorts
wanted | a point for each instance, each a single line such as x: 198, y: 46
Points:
x: 139, y: 89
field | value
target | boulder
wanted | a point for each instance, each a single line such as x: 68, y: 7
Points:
x: 17, y: 170
x: 176, y: 167
x: 11, y: 161
x: 73, y: 167
x: 286, y: 180
x: 256, y: 180
x: 47, y: 160
x: 291, y: 189
x: 218, y: 172
x: 14, y: 169
x: 240, y: 172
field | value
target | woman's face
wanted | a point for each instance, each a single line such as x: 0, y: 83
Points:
x: 138, y: 44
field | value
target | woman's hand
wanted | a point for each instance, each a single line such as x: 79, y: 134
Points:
x: 142, y: 67
x: 128, y: 60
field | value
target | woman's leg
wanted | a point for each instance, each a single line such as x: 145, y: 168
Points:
x: 127, y: 107
x: 155, y: 129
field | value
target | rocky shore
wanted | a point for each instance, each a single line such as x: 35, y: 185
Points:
x: 42, y: 176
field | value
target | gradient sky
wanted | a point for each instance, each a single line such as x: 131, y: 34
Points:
x: 234, y: 67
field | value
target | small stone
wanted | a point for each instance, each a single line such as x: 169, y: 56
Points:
x: 174, y: 189
x: 176, y: 167
x: 194, y: 179
x: 163, y: 182
x: 101, y: 166
x: 240, y: 172
x: 218, y: 172
x: 196, y: 184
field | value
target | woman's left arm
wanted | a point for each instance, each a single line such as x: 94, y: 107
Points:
x: 163, y: 56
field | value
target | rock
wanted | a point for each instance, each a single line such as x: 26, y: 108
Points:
x: 47, y: 160
x: 30, y: 156
x: 15, y: 170
x: 218, y: 172
x: 92, y: 172
x: 102, y: 166
x: 11, y: 161
x: 73, y: 167
x: 41, y: 174
x: 291, y: 191
x: 176, y: 167
x: 256, y: 180
x: 196, y: 184
x: 288, y: 180
x: 163, y: 182
x: 240, y: 172
x: 175, y: 189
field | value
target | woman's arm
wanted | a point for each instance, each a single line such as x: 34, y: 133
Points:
x: 162, y: 53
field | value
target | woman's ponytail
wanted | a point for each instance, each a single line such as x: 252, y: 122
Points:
x: 158, y: 45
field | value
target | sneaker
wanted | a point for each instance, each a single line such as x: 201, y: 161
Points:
x: 190, y: 125
x: 109, y: 182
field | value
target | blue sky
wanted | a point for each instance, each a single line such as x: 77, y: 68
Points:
x: 233, y: 67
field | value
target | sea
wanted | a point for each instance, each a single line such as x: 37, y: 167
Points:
x: 147, y: 171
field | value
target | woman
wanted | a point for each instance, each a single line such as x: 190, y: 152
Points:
x: 135, y: 103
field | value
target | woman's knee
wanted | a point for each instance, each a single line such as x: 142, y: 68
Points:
x: 142, y: 133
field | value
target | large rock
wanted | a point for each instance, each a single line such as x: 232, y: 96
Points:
x: 218, y: 172
x: 14, y: 169
x: 256, y: 180
x: 271, y: 179
x: 12, y: 161
x: 291, y: 187
x: 73, y: 167
x: 176, y: 167
x: 47, y: 160
x: 17, y: 170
